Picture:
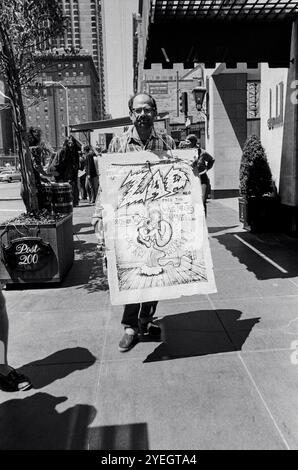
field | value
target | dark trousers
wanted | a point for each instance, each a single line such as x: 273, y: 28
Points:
x: 204, y: 187
x: 82, y: 186
x: 132, y: 312
x: 92, y: 184
x: 75, y: 189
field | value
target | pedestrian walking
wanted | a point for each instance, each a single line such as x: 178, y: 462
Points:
x: 65, y: 166
x: 202, y: 163
x: 91, y: 173
x: 10, y: 378
x: 82, y: 177
x: 137, y: 318
x: 38, y: 151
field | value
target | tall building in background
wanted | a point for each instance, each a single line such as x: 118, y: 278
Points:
x: 86, y: 34
x: 118, y: 20
x: 49, y: 112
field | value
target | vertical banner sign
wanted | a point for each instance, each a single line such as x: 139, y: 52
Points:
x: 155, y: 231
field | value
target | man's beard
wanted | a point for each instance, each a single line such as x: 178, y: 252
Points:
x: 143, y: 121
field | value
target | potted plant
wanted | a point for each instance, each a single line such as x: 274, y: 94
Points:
x: 258, y: 201
x: 38, y: 246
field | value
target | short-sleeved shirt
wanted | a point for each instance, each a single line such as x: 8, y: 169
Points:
x: 127, y: 142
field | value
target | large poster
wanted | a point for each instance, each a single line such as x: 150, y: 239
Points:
x: 155, y: 231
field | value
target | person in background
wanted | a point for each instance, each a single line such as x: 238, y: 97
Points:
x: 10, y: 379
x: 137, y: 318
x: 202, y: 163
x: 82, y: 177
x: 38, y: 158
x: 91, y: 173
x: 75, y: 158
x: 65, y: 166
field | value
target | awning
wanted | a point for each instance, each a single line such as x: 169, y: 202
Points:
x: 215, y: 31
x: 108, y: 123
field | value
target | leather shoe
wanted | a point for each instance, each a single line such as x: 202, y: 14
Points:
x: 127, y: 341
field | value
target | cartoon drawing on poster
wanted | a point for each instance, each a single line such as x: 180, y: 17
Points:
x: 157, y: 244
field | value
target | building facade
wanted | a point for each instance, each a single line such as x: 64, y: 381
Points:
x: 49, y: 111
x: 167, y: 87
x: 86, y: 33
x: 234, y: 115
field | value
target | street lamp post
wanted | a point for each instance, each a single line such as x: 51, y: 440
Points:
x: 199, y: 93
x: 53, y: 83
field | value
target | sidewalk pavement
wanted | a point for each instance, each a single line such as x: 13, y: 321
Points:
x: 224, y: 375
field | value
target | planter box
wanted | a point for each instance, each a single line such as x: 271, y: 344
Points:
x: 259, y: 214
x: 39, y: 253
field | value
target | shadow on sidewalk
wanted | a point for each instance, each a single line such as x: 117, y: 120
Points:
x: 58, y: 365
x: 77, y: 229
x: 200, y: 333
x: 87, y: 269
x: 280, y: 248
x: 133, y: 436
x: 33, y: 423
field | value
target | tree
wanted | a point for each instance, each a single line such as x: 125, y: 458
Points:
x: 26, y: 28
x: 255, y: 174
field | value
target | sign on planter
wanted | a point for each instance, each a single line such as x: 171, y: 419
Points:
x: 155, y: 231
x: 27, y: 254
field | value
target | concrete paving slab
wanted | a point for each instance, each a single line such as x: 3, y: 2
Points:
x: 235, y: 283
x: 56, y: 414
x: 275, y: 327
x: 51, y: 336
x: 68, y: 298
x: 276, y: 376
x: 198, y: 403
x: 277, y: 287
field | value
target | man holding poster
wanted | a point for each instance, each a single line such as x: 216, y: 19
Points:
x: 137, y: 318
x: 155, y: 235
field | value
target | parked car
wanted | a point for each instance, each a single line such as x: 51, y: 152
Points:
x: 10, y: 175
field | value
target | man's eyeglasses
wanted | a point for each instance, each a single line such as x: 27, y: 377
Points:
x: 147, y: 110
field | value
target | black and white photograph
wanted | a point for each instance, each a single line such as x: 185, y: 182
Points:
x: 148, y: 229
